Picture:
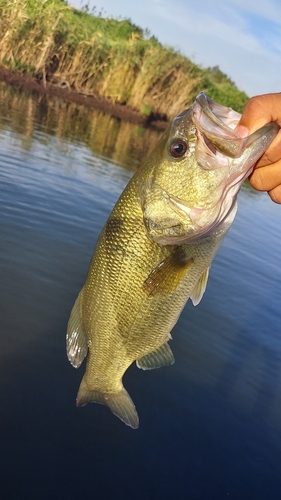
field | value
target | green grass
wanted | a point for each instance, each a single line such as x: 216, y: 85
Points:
x: 106, y: 58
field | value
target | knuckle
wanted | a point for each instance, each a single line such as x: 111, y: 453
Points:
x: 253, y: 104
x: 275, y: 195
x: 257, y: 181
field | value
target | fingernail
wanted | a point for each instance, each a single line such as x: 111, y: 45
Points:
x: 242, y: 131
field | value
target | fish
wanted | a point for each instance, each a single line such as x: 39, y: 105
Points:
x: 156, y: 249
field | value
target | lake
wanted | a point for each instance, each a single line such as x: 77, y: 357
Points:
x: 210, y: 425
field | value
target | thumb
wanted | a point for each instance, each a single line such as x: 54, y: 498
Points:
x: 242, y: 130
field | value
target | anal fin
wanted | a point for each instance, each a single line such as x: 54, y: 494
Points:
x: 162, y: 356
x: 76, y: 339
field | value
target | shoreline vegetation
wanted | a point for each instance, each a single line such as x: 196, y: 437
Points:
x: 109, y: 64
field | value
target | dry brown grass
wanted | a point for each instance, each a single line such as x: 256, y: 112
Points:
x: 102, y: 58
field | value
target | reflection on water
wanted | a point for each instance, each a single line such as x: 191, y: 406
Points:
x: 40, y: 116
x: 210, y: 424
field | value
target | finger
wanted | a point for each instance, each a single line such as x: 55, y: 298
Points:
x: 261, y: 110
x: 272, y: 154
x: 275, y: 194
x: 266, y: 178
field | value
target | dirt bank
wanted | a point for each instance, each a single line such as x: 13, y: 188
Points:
x: 20, y: 80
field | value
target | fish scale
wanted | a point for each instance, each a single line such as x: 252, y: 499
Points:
x: 156, y: 249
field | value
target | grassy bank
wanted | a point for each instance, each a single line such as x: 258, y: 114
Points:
x: 105, y: 58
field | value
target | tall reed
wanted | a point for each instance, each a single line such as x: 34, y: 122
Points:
x: 105, y: 58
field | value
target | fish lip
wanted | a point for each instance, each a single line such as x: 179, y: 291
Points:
x: 192, y: 212
x: 183, y: 207
x: 217, y: 123
x: 164, y: 233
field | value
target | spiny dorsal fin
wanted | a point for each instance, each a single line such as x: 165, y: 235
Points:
x: 162, y: 356
x: 168, y: 274
x: 76, y: 340
x: 199, y: 289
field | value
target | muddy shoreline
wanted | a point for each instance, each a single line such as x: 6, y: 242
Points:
x: 22, y: 81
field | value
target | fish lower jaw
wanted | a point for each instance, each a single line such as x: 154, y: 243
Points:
x: 170, y: 233
x: 161, y: 232
x: 185, y: 236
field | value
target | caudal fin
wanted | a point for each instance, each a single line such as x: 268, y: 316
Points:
x: 119, y: 403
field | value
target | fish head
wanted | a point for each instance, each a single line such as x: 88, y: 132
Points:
x: 196, y: 171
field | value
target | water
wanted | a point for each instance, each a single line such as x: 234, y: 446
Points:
x: 210, y: 425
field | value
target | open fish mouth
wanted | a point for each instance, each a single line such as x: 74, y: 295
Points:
x: 218, y: 122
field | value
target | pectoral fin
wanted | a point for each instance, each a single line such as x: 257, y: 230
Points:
x: 200, y: 287
x: 76, y: 340
x: 162, y: 356
x: 168, y: 274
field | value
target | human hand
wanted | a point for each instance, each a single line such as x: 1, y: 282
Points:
x: 259, y: 111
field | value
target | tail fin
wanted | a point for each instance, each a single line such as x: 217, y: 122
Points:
x: 119, y: 403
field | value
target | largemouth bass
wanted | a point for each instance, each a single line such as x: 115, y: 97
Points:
x: 156, y: 249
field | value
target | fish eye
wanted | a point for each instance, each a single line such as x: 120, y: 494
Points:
x: 178, y: 148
